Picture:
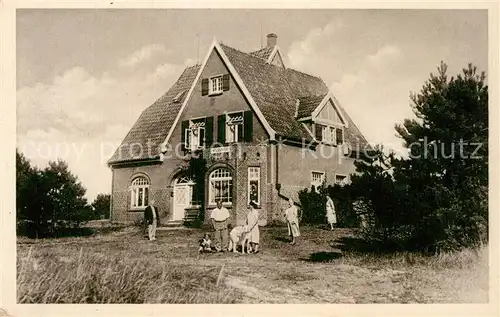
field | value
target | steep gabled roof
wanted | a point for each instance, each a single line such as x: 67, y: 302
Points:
x: 155, y: 121
x: 272, y: 91
x: 308, y: 104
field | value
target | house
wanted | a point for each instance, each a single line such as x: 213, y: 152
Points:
x: 264, y: 131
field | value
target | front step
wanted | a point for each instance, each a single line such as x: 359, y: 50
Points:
x: 173, y: 223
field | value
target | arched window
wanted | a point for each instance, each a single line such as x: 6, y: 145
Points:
x: 221, y: 186
x: 139, y: 192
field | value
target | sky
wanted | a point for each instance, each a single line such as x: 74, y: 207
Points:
x: 84, y: 76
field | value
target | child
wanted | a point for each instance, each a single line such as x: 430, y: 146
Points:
x: 205, y: 243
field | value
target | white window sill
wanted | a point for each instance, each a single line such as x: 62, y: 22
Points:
x: 213, y: 205
x: 137, y: 208
x: 211, y: 94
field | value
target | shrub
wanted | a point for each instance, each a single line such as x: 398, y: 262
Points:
x: 314, y: 206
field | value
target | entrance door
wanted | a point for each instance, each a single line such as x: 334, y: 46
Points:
x: 182, y: 198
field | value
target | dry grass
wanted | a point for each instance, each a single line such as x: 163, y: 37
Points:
x: 122, y: 267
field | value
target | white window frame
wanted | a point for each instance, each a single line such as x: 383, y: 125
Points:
x: 329, y: 134
x: 315, y: 183
x: 220, y: 178
x: 191, y: 136
x: 215, y: 85
x: 234, y: 128
x: 139, y: 184
x: 253, y: 175
x: 344, y: 182
x: 330, y: 138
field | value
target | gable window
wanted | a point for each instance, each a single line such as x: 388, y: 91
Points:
x: 221, y: 186
x: 254, y: 185
x: 234, y: 127
x: 215, y: 85
x: 139, y: 191
x: 329, y: 134
x: 317, y: 179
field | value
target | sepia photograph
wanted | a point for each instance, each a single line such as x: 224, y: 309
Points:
x: 252, y: 156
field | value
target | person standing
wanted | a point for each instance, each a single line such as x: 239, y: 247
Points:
x: 292, y: 219
x: 253, y: 226
x: 219, y: 217
x: 151, y: 218
x: 331, y: 216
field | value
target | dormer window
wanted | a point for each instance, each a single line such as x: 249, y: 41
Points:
x: 327, y: 134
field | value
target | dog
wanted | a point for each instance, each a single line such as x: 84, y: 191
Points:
x: 239, y: 235
x: 205, y: 243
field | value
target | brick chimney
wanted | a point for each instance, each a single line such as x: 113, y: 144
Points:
x: 272, y: 40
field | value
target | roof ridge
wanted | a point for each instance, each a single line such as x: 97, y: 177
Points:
x: 239, y: 51
x: 313, y: 96
x: 298, y: 71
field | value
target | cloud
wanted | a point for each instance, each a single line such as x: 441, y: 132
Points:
x: 142, y: 55
x: 385, y: 53
x: 367, y: 77
x: 320, y: 43
x: 82, y: 118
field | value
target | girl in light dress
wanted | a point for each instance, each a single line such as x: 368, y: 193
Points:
x: 292, y: 219
x: 331, y: 216
x: 253, y: 226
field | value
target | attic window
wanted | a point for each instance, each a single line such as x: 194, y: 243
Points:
x: 179, y: 96
x: 215, y: 85
x: 327, y: 134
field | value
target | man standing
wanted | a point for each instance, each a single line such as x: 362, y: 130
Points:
x: 219, y: 217
x: 151, y: 218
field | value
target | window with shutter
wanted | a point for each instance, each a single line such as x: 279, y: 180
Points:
x: 204, y: 86
x: 340, y: 136
x: 248, y: 126
x: 215, y: 85
x: 184, y: 135
x: 234, y: 127
x: 318, y: 132
x: 209, y: 131
x: 225, y: 82
x: 221, y: 129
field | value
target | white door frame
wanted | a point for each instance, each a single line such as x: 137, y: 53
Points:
x: 184, y: 187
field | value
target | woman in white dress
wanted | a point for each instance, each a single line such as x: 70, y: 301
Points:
x: 253, y: 226
x: 292, y: 219
x: 331, y: 217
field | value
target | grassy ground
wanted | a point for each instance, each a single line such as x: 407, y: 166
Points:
x: 122, y: 266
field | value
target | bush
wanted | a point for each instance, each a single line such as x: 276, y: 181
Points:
x: 314, y: 206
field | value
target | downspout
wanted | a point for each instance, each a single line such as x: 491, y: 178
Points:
x: 112, y: 193
x: 278, y: 185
